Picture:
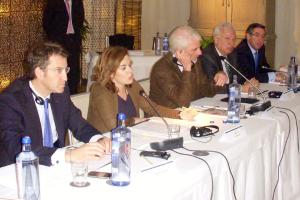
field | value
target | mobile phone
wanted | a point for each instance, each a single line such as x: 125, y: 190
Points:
x: 95, y: 174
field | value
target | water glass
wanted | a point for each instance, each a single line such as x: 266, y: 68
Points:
x: 174, y: 130
x: 252, y: 93
x: 79, y: 174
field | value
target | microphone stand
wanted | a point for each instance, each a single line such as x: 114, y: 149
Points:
x: 142, y: 93
x: 169, y: 144
x: 260, y: 106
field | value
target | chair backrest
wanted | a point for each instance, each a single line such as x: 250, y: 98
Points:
x: 92, y: 59
x: 81, y: 101
x: 123, y: 40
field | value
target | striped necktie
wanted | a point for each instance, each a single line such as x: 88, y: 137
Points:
x: 48, y: 140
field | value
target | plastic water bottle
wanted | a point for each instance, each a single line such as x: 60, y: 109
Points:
x: 292, y: 75
x: 234, y: 102
x: 165, y: 44
x: 27, y: 164
x: 120, y: 157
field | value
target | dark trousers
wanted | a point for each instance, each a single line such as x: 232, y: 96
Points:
x: 72, y: 44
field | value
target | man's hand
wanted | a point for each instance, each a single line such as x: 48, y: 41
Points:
x: 86, y: 152
x: 188, y: 114
x: 247, y: 85
x: 221, y: 79
x: 106, y: 143
x: 280, y: 77
x: 185, y: 59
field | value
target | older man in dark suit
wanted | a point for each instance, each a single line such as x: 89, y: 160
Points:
x: 223, y: 46
x: 39, y: 105
x: 62, y: 22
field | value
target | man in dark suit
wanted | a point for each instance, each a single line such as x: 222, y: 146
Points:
x: 216, y: 69
x: 62, y: 22
x: 251, y: 55
x: 39, y: 105
x: 224, y: 39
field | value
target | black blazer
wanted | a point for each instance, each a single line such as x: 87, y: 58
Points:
x: 212, y: 64
x: 19, y: 117
x: 55, y: 19
x: 247, y: 64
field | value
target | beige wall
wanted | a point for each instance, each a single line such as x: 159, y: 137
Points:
x: 162, y: 16
x: 287, y: 29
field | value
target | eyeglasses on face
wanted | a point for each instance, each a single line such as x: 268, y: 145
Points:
x: 59, y: 70
x: 257, y: 35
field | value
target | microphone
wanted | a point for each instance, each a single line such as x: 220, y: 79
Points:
x: 273, y: 70
x: 143, y: 94
x: 169, y: 144
x: 260, y: 106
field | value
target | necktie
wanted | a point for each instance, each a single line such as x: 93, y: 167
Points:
x: 256, y: 61
x: 48, y: 140
x: 228, y: 71
x: 70, y: 28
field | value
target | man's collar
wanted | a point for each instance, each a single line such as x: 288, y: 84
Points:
x: 36, y: 92
x: 219, y: 53
x: 251, y: 48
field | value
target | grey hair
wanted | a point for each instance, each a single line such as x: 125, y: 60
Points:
x: 220, y: 28
x: 181, y: 37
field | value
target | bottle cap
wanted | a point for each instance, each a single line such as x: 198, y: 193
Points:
x: 121, y: 116
x: 26, y: 140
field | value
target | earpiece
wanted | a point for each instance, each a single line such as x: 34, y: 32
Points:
x: 203, y: 130
x: 39, y: 100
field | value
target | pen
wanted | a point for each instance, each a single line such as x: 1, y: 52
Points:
x: 263, y: 92
x: 233, y: 129
x: 140, y: 122
x: 157, y: 166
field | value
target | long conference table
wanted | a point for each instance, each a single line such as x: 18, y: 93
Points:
x: 258, y: 149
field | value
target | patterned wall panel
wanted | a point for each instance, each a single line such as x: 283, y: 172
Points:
x: 129, y: 19
x: 100, y: 15
x: 20, y: 26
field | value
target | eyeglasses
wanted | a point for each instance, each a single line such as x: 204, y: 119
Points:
x: 257, y: 35
x: 60, y: 70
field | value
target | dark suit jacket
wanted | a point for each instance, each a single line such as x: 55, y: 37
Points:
x: 172, y: 88
x: 247, y: 64
x: 212, y: 64
x: 55, y: 20
x: 19, y: 117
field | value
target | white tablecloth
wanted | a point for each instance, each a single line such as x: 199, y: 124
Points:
x: 253, y: 151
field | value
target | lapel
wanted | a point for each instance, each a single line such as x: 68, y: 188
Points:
x: 57, y: 107
x: 216, y: 59
x: 250, y: 55
x: 34, y: 128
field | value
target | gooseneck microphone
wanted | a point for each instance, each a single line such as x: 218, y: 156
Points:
x: 257, y: 107
x: 273, y: 70
x: 143, y: 94
x: 169, y: 144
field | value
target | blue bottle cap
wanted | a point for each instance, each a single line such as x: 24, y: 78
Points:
x: 26, y: 140
x: 121, y: 116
